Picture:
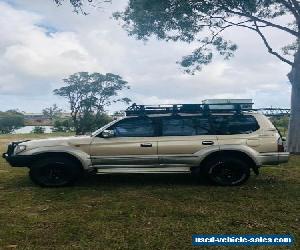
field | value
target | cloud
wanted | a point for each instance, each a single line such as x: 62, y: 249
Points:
x: 31, y: 52
x: 41, y: 44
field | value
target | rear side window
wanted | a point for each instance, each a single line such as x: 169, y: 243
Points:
x: 185, y: 126
x: 234, y: 124
x: 134, y: 127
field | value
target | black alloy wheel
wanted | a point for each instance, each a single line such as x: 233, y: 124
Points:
x: 228, y: 171
x: 54, y: 172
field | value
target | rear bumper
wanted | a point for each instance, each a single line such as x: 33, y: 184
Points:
x: 18, y: 160
x: 273, y: 158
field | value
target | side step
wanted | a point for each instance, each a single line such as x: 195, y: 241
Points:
x: 127, y: 170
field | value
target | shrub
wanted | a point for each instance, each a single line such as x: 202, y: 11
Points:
x: 63, y: 125
x: 38, y: 130
x: 10, y: 121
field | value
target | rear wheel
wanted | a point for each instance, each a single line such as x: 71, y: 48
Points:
x: 54, y: 171
x: 227, y: 171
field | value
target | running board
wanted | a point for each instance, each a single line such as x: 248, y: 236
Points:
x: 123, y: 170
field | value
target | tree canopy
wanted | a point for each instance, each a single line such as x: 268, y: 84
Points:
x: 89, y: 94
x: 205, y: 21
x: 52, y: 112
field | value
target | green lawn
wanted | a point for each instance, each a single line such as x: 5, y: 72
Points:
x: 143, y: 211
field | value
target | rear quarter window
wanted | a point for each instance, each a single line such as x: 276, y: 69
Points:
x: 234, y: 124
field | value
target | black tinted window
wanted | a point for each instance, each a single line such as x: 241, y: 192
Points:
x: 134, y: 127
x: 234, y: 124
x: 185, y: 126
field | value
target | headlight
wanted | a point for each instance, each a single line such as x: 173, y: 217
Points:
x: 19, y: 149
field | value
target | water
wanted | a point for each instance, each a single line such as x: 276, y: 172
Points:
x: 28, y: 129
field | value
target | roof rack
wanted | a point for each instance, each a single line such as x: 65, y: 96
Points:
x: 235, y: 108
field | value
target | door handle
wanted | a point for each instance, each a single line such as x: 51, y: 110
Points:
x: 207, y: 143
x: 146, y: 145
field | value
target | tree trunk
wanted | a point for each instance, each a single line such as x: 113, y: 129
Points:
x: 293, y: 142
x: 76, y: 125
x: 294, y: 124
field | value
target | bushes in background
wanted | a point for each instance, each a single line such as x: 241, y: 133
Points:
x: 10, y: 121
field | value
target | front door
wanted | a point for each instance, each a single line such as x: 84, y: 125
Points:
x: 134, y: 143
x: 183, y: 138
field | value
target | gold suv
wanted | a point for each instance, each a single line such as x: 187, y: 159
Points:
x: 223, y: 145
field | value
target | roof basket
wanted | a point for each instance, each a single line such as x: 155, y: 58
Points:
x: 236, y: 108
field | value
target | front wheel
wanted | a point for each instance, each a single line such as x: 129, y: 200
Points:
x: 54, y: 172
x: 227, y: 171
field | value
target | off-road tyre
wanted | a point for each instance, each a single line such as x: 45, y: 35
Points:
x: 226, y: 171
x: 55, y: 171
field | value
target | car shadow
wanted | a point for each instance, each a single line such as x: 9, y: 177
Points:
x: 91, y: 179
x: 114, y: 180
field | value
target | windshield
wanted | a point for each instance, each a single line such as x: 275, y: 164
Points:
x: 105, y: 127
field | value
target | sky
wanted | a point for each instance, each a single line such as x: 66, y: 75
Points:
x: 42, y: 43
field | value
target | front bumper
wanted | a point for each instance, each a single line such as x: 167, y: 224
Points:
x: 18, y: 160
x: 273, y: 158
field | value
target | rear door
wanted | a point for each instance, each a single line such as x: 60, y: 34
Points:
x: 182, y: 137
x: 238, y: 130
x: 134, y: 143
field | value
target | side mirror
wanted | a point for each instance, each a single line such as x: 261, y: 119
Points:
x: 108, y: 133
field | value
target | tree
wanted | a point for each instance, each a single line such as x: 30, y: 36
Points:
x: 90, y: 122
x: 10, y: 120
x: 281, y: 123
x: 89, y: 95
x: 205, y: 21
x: 63, y: 125
x: 52, y: 112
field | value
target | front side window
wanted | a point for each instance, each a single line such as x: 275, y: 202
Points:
x: 234, y: 124
x: 185, y: 126
x: 134, y: 127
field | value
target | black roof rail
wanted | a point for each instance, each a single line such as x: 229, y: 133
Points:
x: 205, y: 109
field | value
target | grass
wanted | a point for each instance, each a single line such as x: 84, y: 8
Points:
x: 143, y: 211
